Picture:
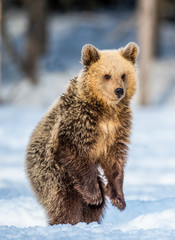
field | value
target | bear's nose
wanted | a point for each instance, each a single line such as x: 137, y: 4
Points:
x: 119, y: 92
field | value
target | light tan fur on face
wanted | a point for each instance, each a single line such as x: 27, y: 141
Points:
x: 112, y: 63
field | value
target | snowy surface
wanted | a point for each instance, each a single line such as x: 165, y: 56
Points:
x: 149, y: 183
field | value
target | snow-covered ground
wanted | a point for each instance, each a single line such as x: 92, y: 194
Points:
x: 149, y: 182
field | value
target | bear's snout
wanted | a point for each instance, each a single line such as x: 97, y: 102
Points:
x: 119, y: 92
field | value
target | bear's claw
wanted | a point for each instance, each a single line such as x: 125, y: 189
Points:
x: 91, y: 195
x: 119, y: 203
x: 94, y: 199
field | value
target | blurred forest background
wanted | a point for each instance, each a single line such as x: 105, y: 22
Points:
x: 41, y: 45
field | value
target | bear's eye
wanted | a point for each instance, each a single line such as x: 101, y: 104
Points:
x: 107, y: 76
x: 123, y: 76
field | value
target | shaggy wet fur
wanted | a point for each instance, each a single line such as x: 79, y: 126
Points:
x: 82, y: 131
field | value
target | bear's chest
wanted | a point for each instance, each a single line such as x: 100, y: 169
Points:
x: 106, y: 136
x: 107, y: 128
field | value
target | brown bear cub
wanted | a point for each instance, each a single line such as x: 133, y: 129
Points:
x: 86, y: 128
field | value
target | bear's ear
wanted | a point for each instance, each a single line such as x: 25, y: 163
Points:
x: 89, y: 55
x: 130, y: 52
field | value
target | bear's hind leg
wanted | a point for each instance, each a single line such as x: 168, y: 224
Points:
x: 66, y: 207
x: 93, y: 213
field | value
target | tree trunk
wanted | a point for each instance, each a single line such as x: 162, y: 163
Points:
x: 36, y: 40
x: 147, y: 35
x: 0, y: 50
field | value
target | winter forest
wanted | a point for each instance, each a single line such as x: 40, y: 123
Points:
x: 40, y: 51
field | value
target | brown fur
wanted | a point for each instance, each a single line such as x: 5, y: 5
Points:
x: 86, y: 128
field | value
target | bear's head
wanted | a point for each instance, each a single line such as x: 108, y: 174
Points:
x: 109, y: 75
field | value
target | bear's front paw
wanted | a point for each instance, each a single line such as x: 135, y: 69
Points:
x: 91, y: 193
x: 119, y: 202
x: 94, y: 197
x: 116, y: 197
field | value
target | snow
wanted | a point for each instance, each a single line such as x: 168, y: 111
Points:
x: 149, y: 182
